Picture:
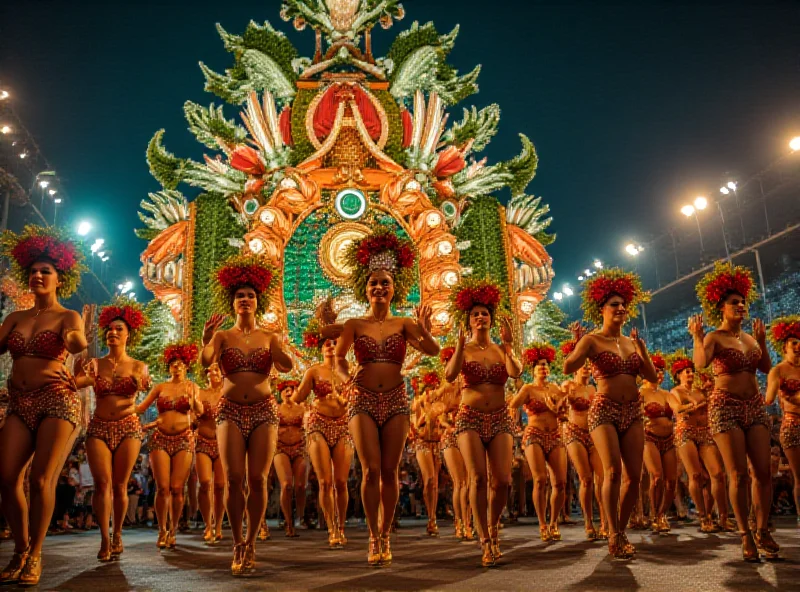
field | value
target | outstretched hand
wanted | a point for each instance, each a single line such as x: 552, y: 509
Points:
x: 696, y: 327
x: 506, y: 331
x: 759, y: 330
x: 211, y: 326
x: 423, y: 316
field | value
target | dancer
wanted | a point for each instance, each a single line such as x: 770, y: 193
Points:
x: 290, y: 457
x: 172, y: 442
x: 44, y: 410
x: 383, y: 272
x: 427, y: 447
x: 541, y: 441
x: 615, y: 414
x: 696, y: 447
x: 329, y: 443
x: 575, y: 435
x: 660, y: 458
x: 484, y: 427
x: 737, y: 415
x: 784, y: 379
x: 115, y: 434
x: 207, y: 461
x: 247, y: 415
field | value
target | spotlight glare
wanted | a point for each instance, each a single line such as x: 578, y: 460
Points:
x: 558, y: 296
x: 724, y: 190
x: 732, y: 185
x: 6, y: 129
x: 700, y: 202
x: 57, y: 200
x: 3, y: 95
x: 84, y: 228
x: 794, y: 144
x: 52, y: 192
x: 568, y: 291
x: 687, y: 210
x: 580, y: 278
x: 598, y: 264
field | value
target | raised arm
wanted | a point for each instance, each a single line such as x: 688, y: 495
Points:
x: 760, y: 335
x: 773, y: 385
x: 6, y: 328
x: 675, y: 403
x: 73, y: 332
x: 702, y: 344
x: 212, y: 340
x: 648, y: 370
x: 302, y: 392
x: 521, y: 397
x: 418, y: 331
x: 513, y: 365
x: 148, y: 400
x: 86, y: 373
x: 343, y: 344
x: 577, y: 358
x: 453, y: 368
x: 280, y: 359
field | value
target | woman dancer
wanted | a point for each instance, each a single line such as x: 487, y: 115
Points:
x: 115, y: 434
x: 581, y: 450
x: 660, y: 458
x: 737, y: 416
x: 207, y: 460
x: 44, y: 410
x: 784, y: 379
x: 383, y: 271
x: 696, y: 447
x: 484, y: 427
x: 172, y: 442
x: 290, y: 458
x: 329, y: 443
x: 615, y: 414
x: 427, y: 447
x: 541, y: 441
x: 247, y: 415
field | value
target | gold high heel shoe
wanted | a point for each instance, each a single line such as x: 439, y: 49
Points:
x: 32, y: 572
x: 374, y: 552
x: 494, y: 540
x: 333, y: 538
x: 386, y: 550
x: 104, y: 556
x: 12, y: 572
x: 171, y: 540
x: 263, y: 534
x: 544, y: 533
x: 487, y: 557
x: 342, y: 538
x: 236, y: 564
x: 116, y: 545
x: 161, y: 542
x: 459, y: 528
x: 249, y: 558
x: 626, y: 545
x: 591, y: 533
x: 766, y: 544
x: 432, y: 528
x: 616, y: 546
x: 555, y: 534
x: 749, y: 548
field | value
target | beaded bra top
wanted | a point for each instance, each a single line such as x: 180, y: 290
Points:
x: 209, y: 411
x: 322, y: 388
x: 294, y: 422
x: 369, y: 351
x: 45, y: 344
x: 607, y: 364
x: 790, y: 385
x: 581, y: 404
x: 655, y: 410
x: 119, y: 386
x: 536, y: 407
x: 233, y: 360
x: 731, y: 360
x: 475, y: 373
x: 182, y: 404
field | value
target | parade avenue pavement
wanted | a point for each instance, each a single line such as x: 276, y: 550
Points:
x: 683, y: 560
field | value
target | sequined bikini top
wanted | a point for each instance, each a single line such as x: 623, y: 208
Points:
x: 369, y: 351
x: 119, y: 386
x: 607, y: 364
x: 581, y: 404
x: 790, y: 385
x: 209, y: 411
x: 536, y: 407
x: 475, y: 373
x: 233, y: 360
x: 182, y: 404
x: 45, y: 344
x: 322, y: 388
x: 655, y: 410
x: 731, y: 360
x: 294, y: 422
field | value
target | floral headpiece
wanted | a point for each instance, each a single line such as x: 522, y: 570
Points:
x: 431, y: 379
x: 678, y: 361
x: 658, y: 361
x: 40, y: 243
x: 381, y: 250
x: 538, y: 351
x: 238, y: 271
x: 129, y: 312
x: 446, y: 353
x: 284, y: 384
x: 471, y: 292
x: 724, y: 279
x: 312, y: 336
x: 607, y: 283
x: 782, y: 329
x: 183, y: 351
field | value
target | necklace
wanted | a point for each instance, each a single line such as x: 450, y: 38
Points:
x: 114, y: 366
x: 41, y: 310
x: 380, y: 324
x: 245, y: 334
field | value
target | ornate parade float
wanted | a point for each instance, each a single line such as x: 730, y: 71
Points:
x: 325, y: 147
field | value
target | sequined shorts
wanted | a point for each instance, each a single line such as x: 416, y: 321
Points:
x: 570, y: 432
x: 621, y: 415
x: 207, y: 446
x: 56, y: 400
x: 700, y: 435
x: 449, y: 440
x: 113, y: 432
x: 293, y: 451
x: 381, y: 407
x: 548, y: 440
x: 662, y: 443
x: 790, y: 431
x: 726, y: 412
x: 172, y: 444
x: 248, y: 417
x: 333, y: 429
x: 487, y: 424
x: 432, y: 446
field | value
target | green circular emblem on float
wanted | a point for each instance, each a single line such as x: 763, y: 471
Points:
x: 350, y: 204
x: 250, y: 206
x: 449, y: 209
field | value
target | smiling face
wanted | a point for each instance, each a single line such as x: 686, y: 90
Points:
x: 686, y: 377
x: 615, y: 311
x: 245, y: 300
x: 329, y: 348
x: 734, y: 308
x: 541, y: 370
x: 214, y: 375
x: 791, y: 349
x: 43, y: 278
x: 117, y: 333
x: 480, y: 318
x: 380, y: 288
x: 177, y: 369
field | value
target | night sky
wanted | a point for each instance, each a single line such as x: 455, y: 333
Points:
x: 633, y: 107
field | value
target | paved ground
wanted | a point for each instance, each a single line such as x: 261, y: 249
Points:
x: 683, y: 560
